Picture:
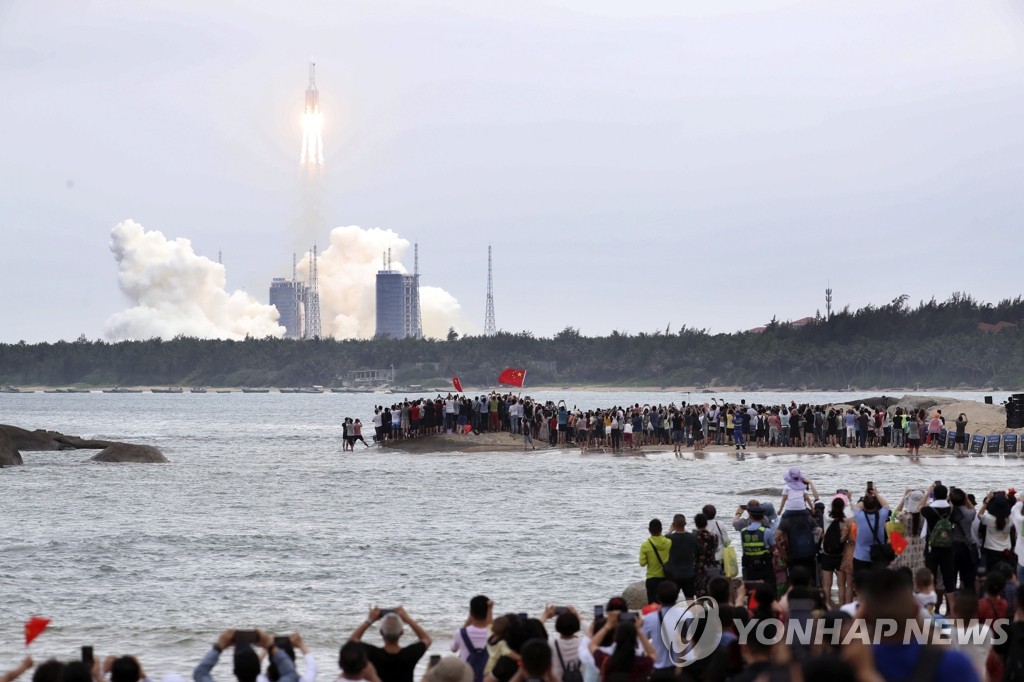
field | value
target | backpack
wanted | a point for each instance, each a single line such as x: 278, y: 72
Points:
x: 833, y: 541
x: 477, y: 658
x: 941, y: 536
x: 570, y: 671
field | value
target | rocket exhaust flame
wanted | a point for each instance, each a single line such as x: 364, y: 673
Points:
x: 312, y: 125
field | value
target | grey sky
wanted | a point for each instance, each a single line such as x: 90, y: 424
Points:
x: 633, y: 164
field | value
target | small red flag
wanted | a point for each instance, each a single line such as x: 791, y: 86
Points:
x: 34, y: 627
x: 512, y: 377
x: 457, y: 383
x: 469, y: 427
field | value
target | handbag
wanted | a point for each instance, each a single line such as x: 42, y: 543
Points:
x: 881, y: 551
x: 730, y: 563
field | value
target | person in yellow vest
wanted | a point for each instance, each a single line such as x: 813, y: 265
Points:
x: 757, y: 540
x: 654, y: 555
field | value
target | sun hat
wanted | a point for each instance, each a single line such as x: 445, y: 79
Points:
x: 793, y: 476
x: 844, y: 498
x: 914, y: 501
x: 450, y: 669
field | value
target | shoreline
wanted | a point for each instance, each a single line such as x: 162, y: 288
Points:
x: 505, y: 442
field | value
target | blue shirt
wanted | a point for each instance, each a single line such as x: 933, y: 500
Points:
x: 652, y: 628
x: 897, y: 662
x: 862, y: 550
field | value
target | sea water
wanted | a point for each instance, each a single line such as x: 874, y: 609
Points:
x: 261, y: 520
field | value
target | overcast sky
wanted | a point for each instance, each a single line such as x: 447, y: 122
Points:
x: 634, y: 164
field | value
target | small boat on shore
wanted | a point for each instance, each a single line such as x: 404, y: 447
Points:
x: 250, y: 389
x: 13, y: 389
x: 288, y: 390
x: 118, y: 389
x: 224, y: 390
x: 170, y: 389
x: 198, y: 389
x: 311, y: 389
x: 351, y: 390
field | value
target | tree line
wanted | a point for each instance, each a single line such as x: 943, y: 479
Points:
x: 935, y: 344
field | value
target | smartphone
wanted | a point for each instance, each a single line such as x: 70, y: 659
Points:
x: 627, y: 616
x: 387, y: 612
x: 559, y: 610
x: 599, y: 611
x: 434, y: 660
x: 245, y: 637
x: 87, y: 655
x: 871, y: 485
x: 743, y: 507
x: 524, y: 616
x: 283, y: 642
x: 937, y: 483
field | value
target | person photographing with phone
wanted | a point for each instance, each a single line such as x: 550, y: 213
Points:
x: 623, y: 663
x: 246, y: 661
x: 393, y: 662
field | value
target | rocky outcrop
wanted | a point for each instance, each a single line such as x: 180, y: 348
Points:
x: 9, y: 455
x: 128, y: 453
x: 16, y: 440
x: 636, y: 595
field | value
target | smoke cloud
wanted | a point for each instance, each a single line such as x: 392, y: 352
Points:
x: 175, y: 292
x: 348, y: 274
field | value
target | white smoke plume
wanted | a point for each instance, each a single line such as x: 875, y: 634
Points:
x: 175, y: 292
x: 347, y: 271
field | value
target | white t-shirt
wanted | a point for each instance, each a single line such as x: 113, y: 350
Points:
x: 627, y: 428
x: 995, y: 539
x: 570, y: 650
x: 478, y: 636
x: 926, y: 600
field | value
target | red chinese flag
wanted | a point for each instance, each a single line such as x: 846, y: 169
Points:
x: 512, y: 377
x: 457, y: 383
x: 34, y: 627
x: 469, y: 427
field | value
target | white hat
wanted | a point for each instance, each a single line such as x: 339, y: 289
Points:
x: 914, y: 501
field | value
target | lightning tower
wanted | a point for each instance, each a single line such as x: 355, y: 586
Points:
x: 313, y: 304
x: 416, y: 323
x: 489, y: 327
x: 828, y: 302
x: 312, y: 123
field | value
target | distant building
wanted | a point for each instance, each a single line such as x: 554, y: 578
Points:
x: 398, y: 304
x: 289, y: 298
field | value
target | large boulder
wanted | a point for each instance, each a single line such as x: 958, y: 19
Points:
x: 636, y: 595
x: 31, y: 440
x: 9, y: 455
x: 127, y: 452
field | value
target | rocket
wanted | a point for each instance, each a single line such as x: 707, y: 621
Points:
x: 312, y: 94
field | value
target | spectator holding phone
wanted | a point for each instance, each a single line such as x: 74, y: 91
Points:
x: 393, y: 662
x: 246, y: 662
x: 288, y: 644
x: 623, y: 663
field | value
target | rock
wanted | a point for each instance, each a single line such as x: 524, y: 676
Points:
x: 9, y: 455
x: 636, y: 595
x: 917, y: 402
x: 31, y: 440
x: 886, y: 401
x: 126, y: 452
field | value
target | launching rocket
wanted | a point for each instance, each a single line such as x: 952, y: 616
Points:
x: 312, y: 94
x: 312, y: 141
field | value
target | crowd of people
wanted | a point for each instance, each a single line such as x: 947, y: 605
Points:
x: 938, y: 556
x: 692, y: 426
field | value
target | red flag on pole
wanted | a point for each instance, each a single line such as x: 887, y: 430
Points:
x: 457, y: 383
x: 34, y: 627
x: 512, y: 377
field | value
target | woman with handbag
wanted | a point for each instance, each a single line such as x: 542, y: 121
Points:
x: 872, y: 548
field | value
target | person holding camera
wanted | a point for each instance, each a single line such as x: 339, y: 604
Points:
x: 246, y: 662
x: 393, y: 662
x: 871, y: 548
